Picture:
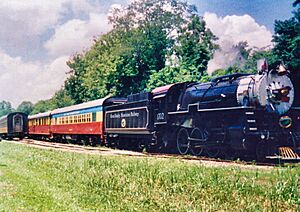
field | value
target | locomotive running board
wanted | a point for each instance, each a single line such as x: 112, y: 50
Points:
x: 285, y: 153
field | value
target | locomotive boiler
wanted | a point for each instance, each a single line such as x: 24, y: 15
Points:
x: 251, y: 113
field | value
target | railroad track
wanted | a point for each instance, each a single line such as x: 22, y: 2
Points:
x: 108, y: 151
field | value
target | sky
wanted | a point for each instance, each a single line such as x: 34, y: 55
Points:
x: 37, y: 37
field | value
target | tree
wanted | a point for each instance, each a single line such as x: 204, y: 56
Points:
x: 25, y: 107
x: 287, y: 46
x: 5, y: 108
x: 61, y: 99
x: 168, y: 75
x: 195, y: 47
x: 42, y: 106
x: 251, y: 63
x: 144, y: 35
x: 287, y: 41
x: 74, y: 83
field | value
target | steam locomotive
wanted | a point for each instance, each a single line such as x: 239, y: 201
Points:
x: 234, y: 113
x: 238, y: 113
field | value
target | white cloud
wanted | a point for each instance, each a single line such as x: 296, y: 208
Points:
x: 74, y: 22
x: 23, y: 22
x: 75, y: 35
x: 231, y: 30
x: 30, y: 80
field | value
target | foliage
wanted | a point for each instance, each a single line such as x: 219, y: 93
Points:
x: 25, y: 107
x: 74, y: 83
x: 287, y: 45
x: 251, y: 63
x: 145, y: 34
x: 5, y: 108
x: 42, y: 106
x: 46, y: 180
x: 287, y: 41
x: 168, y: 75
x: 195, y: 47
x: 59, y: 100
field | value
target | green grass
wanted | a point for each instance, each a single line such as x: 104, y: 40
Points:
x: 44, y: 180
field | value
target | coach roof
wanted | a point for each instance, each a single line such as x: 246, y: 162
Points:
x: 90, y: 104
x: 39, y: 115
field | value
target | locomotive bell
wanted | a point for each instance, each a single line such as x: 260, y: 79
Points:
x: 281, y: 70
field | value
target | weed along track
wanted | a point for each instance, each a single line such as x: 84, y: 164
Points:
x: 211, y: 162
x: 76, y: 148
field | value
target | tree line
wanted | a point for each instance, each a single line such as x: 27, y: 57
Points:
x: 157, y: 42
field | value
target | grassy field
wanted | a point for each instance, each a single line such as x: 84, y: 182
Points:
x: 43, y: 180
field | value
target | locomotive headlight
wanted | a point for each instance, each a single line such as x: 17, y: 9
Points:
x: 285, y: 91
x: 285, y: 122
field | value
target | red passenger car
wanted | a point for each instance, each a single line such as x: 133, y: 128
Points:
x: 82, y: 123
x: 39, y: 126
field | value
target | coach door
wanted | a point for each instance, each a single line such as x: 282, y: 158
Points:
x: 17, y: 123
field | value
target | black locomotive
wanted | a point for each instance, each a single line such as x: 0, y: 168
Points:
x: 233, y: 113
x: 14, y: 125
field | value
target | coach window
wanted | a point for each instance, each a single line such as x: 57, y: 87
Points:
x: 71, y: 119
x: 94, y: 117
x: 79, y: 119
x: 75, y: 119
